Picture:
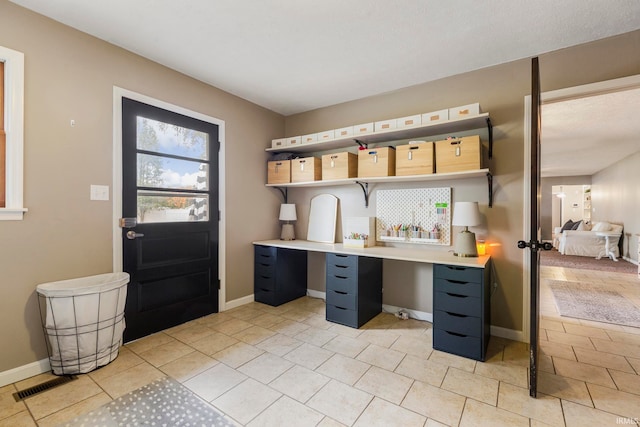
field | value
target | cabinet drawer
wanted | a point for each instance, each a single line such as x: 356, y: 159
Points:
x: 460, y: 323
x: 342, y: 260
x: 265, y: 252
x: 343, y: 271
x: 342, y: 315
x: 265, y: 296
x: 460, y: 344
x: 265, y: 270
x: 264, y: 282
x: 458, y: 304
x: 341, y: 299
x: 471, y: 289
x: 342, y: 283
x: 454, y: 272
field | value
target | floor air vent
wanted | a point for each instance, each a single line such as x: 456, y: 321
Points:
x: 47, y: 385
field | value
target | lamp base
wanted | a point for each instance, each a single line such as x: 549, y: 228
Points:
x: 287, y: 232
x: 466, y: 244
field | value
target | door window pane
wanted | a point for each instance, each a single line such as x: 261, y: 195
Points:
x: 172, y: 207
x: 171, y: 139
x: 166, y: 172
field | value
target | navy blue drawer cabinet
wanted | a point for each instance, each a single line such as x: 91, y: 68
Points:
x: 354, y: 289
x: 279, y: 275
x: 461, y: 313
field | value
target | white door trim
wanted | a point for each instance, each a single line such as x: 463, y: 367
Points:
x: 118, y: 94
x: 559, y: 95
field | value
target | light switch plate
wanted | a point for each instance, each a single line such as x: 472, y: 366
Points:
x: 99, y: 192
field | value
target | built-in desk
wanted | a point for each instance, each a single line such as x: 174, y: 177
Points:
x: 461, y: 287
x: 400, y: 254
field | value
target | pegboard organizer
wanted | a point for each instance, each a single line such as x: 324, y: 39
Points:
x: 410, y: 215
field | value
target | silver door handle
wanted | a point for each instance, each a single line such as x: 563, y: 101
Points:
x: 131, y: 235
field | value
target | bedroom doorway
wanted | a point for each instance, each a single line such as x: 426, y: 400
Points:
x: 569, y: 156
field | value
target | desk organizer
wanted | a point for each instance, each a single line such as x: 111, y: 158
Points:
x: 419, y: 216
x: 359, y: 232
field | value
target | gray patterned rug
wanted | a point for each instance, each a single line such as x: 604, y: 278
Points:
x: 164, y: 402
x: 592, y: 302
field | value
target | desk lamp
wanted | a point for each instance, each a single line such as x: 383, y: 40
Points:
x: 466, y: 214
x: 287, y: 213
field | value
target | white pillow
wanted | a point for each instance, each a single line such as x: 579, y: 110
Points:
x: 601, y: 226
x: 581, y: 227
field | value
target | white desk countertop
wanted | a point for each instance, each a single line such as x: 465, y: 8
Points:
x: 386, y: 252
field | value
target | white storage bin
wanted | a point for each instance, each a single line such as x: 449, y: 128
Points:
x: 83, y: 321
x: 435, y: 117
x: 309, y: 139
x: 464, y: 111
x: 327, y: 135
x: 294, y: 141
x: 343, y: 132
x: 363, y: 128
x: 409, y: 121
x: 279, y: 143
x: 385, y: 125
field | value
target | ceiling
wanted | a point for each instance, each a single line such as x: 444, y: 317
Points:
x: 584, y: 135
x: 293, y: 56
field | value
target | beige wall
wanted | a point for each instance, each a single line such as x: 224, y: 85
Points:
x: 70, y: 75
x: 500, y: 90
x: 549, y: 216
x: 616, y: 198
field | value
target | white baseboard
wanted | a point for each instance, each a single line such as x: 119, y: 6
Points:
x: 428, y: 317
x: 509, y: 334
x: 414, y: 314
x: 237, y: 302
x: 317, y: 294
x: 632, y: 261
x: 23, y: 372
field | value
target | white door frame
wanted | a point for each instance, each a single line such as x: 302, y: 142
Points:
x: 118, y: 94
x: 559, y: 95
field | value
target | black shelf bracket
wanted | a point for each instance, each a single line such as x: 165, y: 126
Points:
x: 365, y: 190
x: 490, y: 184
x: 361, y: 144
x: 490, y: 130
x: 285, y: 193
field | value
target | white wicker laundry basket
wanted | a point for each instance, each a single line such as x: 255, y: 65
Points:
x: 83, y: 321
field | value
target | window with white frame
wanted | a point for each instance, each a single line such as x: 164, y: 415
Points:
x: 11, y: 134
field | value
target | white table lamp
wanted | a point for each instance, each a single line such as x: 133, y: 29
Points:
x: 466, y: 214
x: 287, y: 214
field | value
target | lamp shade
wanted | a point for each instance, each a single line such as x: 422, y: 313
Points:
x: 466, y: 214
x: 288, y: 212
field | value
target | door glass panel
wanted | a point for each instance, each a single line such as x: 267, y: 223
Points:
x: 172, y: 207
x: 166, y: 138
x: 166, y: 172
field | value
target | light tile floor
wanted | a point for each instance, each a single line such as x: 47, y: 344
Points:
x: 287, y: 366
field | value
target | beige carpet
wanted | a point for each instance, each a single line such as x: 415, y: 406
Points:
x: 553, y: 258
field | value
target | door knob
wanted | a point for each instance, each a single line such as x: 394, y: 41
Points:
x: 131, y: 235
